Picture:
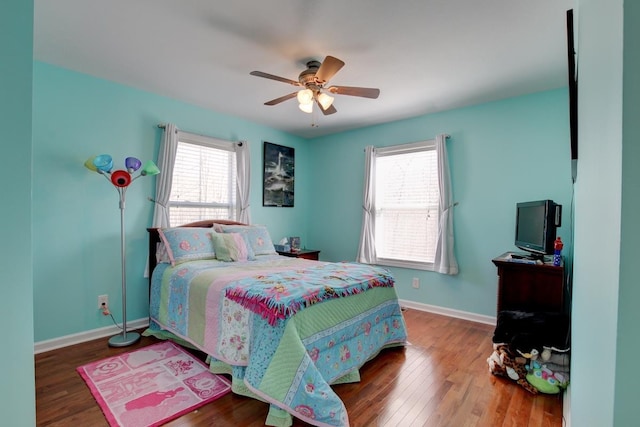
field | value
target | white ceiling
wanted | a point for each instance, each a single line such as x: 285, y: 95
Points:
x: 424, y: 55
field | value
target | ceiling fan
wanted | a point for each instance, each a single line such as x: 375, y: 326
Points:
x: 313, y: 81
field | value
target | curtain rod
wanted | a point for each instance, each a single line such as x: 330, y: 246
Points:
x: 240, y: 142
x: 446, y: 136
x: 163, y: 126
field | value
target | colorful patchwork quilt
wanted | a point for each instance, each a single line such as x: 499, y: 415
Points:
x: 284, y: 328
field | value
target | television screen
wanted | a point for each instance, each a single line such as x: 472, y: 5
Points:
x: 536, y: 224
x: 531, y: 224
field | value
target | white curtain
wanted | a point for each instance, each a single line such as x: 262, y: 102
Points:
x: 243, y: 179
x: 367, y: 249
x: 445, y: 259
x: 166, y: 159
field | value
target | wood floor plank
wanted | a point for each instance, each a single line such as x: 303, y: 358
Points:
x: 441, y: 379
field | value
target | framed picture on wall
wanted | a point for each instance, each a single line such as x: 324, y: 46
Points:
x: 278, y: 175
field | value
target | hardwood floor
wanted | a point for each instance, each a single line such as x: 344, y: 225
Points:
x: 441, y: 379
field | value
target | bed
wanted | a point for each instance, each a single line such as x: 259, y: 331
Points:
x: 283, y: 328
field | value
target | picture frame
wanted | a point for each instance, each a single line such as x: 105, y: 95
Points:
x: 294, y: 244
x: 278, y: 176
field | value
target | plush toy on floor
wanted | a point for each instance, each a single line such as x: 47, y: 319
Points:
x: 545, y: 380
x: 501, y: 363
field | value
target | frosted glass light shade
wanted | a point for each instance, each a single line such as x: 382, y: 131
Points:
x: 132, y: 164
x: 150, y: 168
x: 103, y: 163
x: 307, y: 108
x: 325, y: 100
x: 305, y: 96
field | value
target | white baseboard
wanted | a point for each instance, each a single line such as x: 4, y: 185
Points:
x: 52, y: 344
x: 566, y: 407
x: 465, y: 315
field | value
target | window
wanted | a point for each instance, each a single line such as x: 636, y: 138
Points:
x: 405, y: 202
x: 204, y: 180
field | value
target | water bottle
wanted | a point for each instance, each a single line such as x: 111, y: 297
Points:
x: 557, y: 252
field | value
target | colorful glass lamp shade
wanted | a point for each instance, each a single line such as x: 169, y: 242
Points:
x: 89, y: 164
x: 150, y: 168
x: 121, y: 179
x: 132, y: 164
x: 103, y: 163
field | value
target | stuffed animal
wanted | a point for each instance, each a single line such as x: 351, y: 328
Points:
x: 501, y: 363
x: 545, y: 380
x: 529, y: 355
x: 555, y: 356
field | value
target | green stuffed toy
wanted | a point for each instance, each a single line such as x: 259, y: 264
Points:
x: 545, y: 380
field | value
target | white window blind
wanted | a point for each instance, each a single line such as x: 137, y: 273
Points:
x: 406, y: 204
x: 204, y: 180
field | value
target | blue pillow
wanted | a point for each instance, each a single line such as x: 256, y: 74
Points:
x: 187, y: 244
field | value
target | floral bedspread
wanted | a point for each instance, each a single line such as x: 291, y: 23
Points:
x: 301, y: 336
x: 280, y: 295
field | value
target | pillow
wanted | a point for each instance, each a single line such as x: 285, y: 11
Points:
x: 245, y: 236
x: 161, y: 254
x: 187, y: 244
x: 257, y: 236
x: 229, y: 246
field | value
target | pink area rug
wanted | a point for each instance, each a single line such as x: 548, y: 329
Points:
x: 152, y: 385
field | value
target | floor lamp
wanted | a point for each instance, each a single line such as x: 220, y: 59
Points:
x: 103, y: 164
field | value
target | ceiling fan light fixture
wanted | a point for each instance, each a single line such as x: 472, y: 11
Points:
x: 305, y: 97
x: 325, y: 100
x: 307, y: 108
x: 312, y: 90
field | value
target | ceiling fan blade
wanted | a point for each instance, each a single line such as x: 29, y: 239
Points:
x: 281, y: 99
x: 330, y: 66
x: 365, y: 92
x: 272, y: 77
x: 328, y: 111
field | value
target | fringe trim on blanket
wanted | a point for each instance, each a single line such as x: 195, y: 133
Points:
x: 273, y: 310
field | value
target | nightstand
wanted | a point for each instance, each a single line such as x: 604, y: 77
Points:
x: 302, y: 253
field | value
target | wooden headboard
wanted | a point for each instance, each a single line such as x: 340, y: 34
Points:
x: 154, y: 237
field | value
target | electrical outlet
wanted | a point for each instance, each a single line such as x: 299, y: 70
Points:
x: 103, y: 299
x: 416, y: 283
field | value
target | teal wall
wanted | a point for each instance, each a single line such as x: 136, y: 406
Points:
x: 606, y: 293
x: 500, y: 153
x: 76, y: 218
x: 17, y: 405
x: 628, y: 345
x: 598, y: 213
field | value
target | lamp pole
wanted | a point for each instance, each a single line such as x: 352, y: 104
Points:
x: 125, y: 338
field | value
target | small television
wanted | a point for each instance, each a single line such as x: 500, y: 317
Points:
x: 536, y: 224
